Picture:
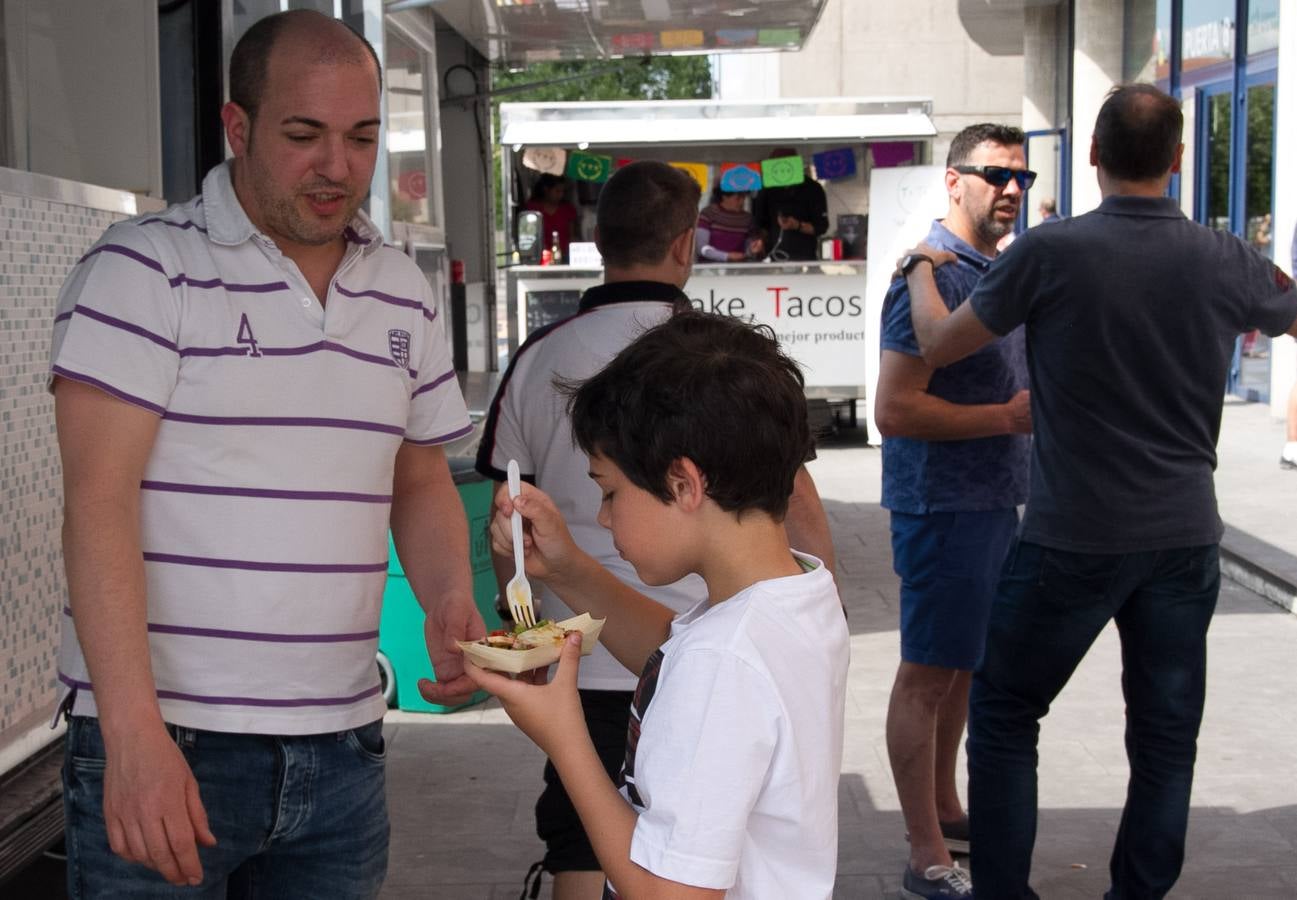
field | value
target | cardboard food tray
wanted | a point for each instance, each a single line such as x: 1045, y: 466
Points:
x: 515, y: 661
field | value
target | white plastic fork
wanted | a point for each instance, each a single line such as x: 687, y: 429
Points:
x: 518, y: 591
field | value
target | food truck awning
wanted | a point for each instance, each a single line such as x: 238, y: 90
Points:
x: 517, y: 32
x: 712, y: 122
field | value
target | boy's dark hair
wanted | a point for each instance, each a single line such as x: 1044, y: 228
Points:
x: 250, y: 59
x: 1137, y: 132
x: 709, y: 388
x: 642, y: 208
x: 968, y: 140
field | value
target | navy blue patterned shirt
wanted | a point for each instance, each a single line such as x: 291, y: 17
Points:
x: 974, y: 475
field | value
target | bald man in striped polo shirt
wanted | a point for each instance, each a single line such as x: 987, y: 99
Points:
x: 248, y: 386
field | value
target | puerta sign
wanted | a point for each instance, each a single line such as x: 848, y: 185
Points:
x: 819, y: 318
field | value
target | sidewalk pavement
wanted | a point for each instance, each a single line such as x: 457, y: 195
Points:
x: 461, y: 786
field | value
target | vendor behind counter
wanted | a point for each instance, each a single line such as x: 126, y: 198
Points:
x: 789, y: 220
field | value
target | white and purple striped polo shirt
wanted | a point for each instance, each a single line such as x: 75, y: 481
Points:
x: 265, y: 501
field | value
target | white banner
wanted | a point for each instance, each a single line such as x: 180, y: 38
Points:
x: 819, y: 317
x: 903, y: 201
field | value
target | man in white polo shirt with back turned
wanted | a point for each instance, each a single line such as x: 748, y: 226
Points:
x: 247, y: 387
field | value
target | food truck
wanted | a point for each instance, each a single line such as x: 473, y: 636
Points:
x: 816, y: 307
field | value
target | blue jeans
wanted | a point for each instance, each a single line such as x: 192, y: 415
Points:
x: 1050, y: 607
x: 294, y: 817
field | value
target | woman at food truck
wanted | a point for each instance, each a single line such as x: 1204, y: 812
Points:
x: 558, y: 216
x: 724, y: 227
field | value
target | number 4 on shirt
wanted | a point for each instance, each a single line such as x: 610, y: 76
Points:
x: 247, y: 337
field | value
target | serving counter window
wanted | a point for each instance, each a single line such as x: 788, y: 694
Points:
x: 816, y: 309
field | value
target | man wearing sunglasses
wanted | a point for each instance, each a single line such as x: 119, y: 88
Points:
x: 955, y: 453
x: 1131, y: 312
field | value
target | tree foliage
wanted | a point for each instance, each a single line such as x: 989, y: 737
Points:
x: 645, y: 78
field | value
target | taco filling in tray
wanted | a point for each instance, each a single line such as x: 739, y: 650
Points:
x: 546, y: 633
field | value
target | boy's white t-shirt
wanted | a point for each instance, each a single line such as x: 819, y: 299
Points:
x: 735, y: 743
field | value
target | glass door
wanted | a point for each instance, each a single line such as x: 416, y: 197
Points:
x: 1239, y: 198
x: 1050, y: 196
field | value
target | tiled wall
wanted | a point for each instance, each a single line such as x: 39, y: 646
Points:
x: 40, y: 240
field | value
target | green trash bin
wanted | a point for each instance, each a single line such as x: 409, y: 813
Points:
x: 402, y: 653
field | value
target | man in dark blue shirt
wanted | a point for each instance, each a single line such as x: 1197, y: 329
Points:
x: 1131, y: 313
x: 955, y: 455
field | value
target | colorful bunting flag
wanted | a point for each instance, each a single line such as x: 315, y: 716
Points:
x: 682, y: 39
x: 737, y: 178
x: 782, y: 172
x: 697, y: 171
x: 545, y: 159
x: 892, y: 153
x: 840, y: 163
x: 588, y: 166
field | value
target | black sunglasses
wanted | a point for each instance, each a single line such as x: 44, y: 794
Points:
x: 999, y: 175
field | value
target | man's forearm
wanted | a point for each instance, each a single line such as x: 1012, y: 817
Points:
x: 106, y: 590
x: 929, y: 418
x: 430, y: 531
x: 104, y: 445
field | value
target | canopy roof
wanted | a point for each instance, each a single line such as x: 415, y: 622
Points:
x: 517, y: 32
x: 695, y: 123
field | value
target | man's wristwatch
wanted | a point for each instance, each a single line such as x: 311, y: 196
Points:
x: 913, y: 259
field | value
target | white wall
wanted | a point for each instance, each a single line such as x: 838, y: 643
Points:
x: 1096, y: 68
x: 94, y: 68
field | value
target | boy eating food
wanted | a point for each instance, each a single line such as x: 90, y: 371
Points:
x: 695, y: 432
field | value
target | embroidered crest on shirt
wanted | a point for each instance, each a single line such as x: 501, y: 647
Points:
x: 398, y: 344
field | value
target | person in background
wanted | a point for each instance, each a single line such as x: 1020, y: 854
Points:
x: 645, y: 233
x: 956, y: 448
x: 1131, y: 313
x: 790, y: 220
x: 724, y: 227
x: 695, y: 434
x: 1288, y: 456
x: 557, y: 214
x: 229, y: 481
x: 1049, y: 211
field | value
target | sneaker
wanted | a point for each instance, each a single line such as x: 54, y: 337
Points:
x: 954, y: 835
x: 937, y: 883
x: 1288, y: 458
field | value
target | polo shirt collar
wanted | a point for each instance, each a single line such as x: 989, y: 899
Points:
x: 631, y: 292
x: 1157, y: 207
x: 942, y: 238
x: 228, y: 224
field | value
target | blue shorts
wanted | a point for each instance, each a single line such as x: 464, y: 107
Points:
x: 949, y: 564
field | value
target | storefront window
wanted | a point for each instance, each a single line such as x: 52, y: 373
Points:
x: 1262, y: 26
x: 1208, y: 35
x: 406, y: 130
x: 1217, y: 109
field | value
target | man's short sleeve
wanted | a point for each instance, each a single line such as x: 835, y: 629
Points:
x: 703, y: 757
x: 898, y: 328
x: 1002, y: 299
x: 1273, y: 296
x: 437, y: 411
x: 117, y: 322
